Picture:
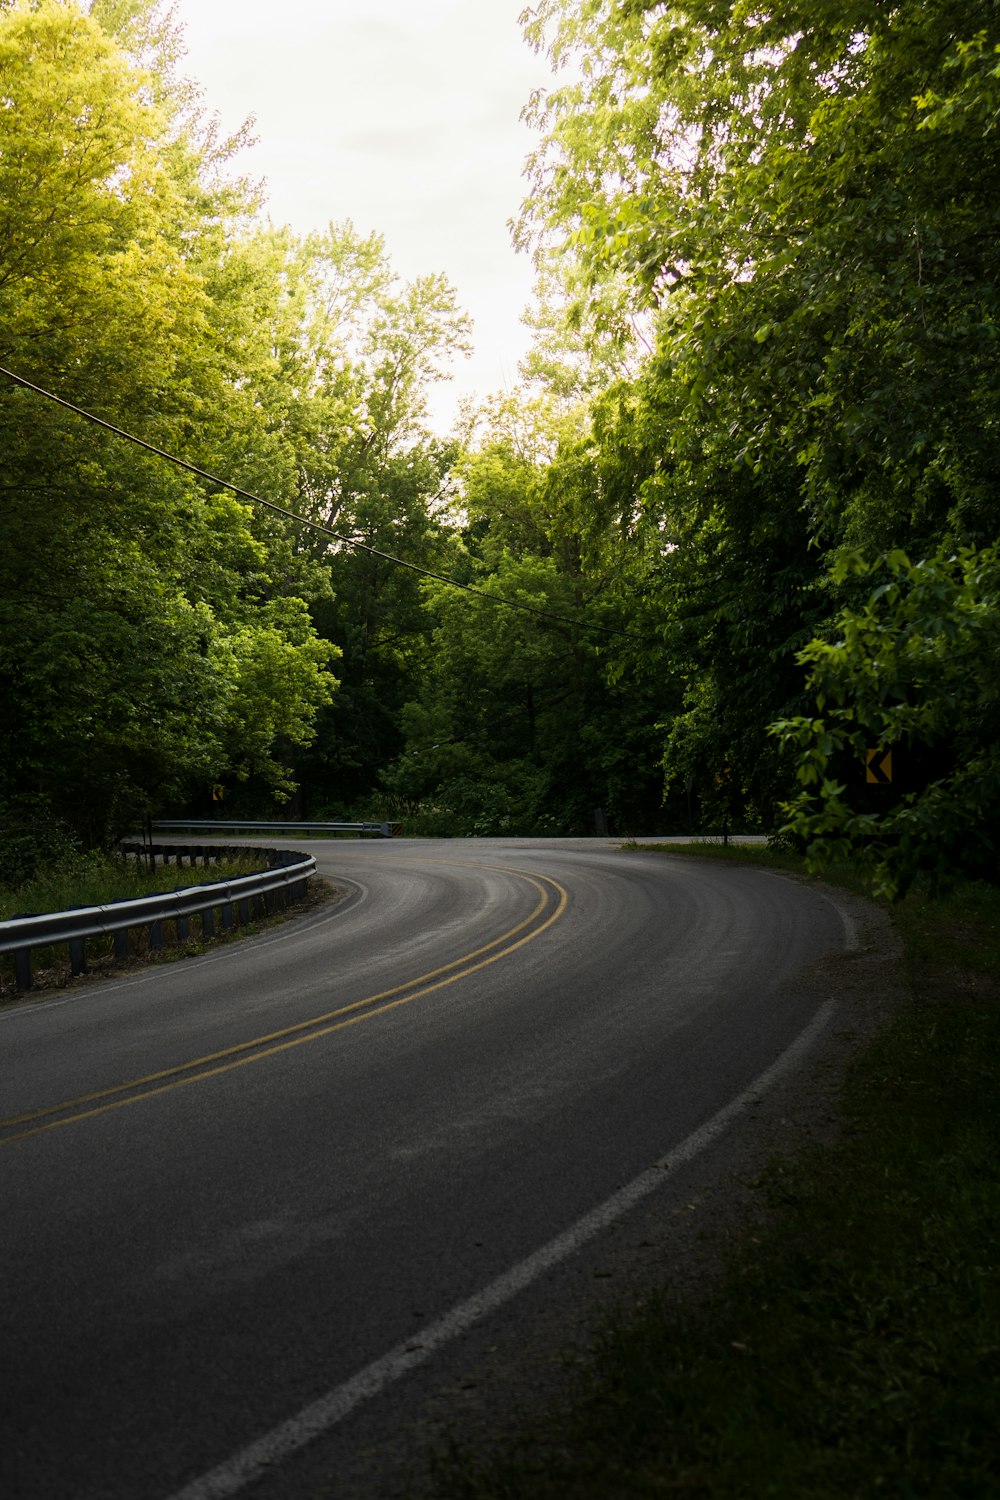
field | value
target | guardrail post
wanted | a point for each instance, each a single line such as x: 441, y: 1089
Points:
x: 22, y: 968
x: 208, y: 923
x: 77, y: 956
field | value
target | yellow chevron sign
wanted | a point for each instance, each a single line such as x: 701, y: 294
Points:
x: 878, y: 767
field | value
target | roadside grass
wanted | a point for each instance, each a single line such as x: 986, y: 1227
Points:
x: 854, y: 1349
x: 761, y: 855
x: 93, y: 879
x: 96, y: 879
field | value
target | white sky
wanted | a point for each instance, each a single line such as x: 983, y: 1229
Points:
x: 401, y: 115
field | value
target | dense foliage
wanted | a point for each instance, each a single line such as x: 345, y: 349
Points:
x: 802, y: 202
x: 158, y: 637
x: 743, y: 501
x: 540, y: 719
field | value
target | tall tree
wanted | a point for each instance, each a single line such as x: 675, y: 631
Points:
x: 356, y: 350
x: 782, y: 189
x: 147, y: 639
x: 541, y: 718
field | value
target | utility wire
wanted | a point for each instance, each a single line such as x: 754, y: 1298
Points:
x: 280, y: 510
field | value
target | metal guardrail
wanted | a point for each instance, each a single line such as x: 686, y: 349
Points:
x: 285, y: 879
x: 208, y: 825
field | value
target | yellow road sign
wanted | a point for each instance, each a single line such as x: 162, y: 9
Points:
x: 878, y: 767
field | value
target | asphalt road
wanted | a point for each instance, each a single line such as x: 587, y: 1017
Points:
x: 252, y: 1198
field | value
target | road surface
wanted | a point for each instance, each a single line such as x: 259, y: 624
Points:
x: 252, y: 1199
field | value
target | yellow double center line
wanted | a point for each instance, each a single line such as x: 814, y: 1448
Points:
x: 552, y: 902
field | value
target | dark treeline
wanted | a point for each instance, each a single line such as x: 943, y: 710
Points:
x: 747, y: 484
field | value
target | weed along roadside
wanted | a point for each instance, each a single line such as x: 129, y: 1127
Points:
x: 93, y: 895
x: 837, y: 1333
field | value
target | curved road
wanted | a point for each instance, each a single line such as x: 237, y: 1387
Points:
x: 249, y: 1195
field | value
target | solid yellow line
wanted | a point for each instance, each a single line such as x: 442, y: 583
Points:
x: 295, y: 1041
x: 273, y: 1036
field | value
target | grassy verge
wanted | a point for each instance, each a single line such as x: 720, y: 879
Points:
x: 93, y: 879
x: 854, y: 1350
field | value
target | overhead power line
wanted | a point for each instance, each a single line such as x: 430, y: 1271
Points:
x: 280, y: 510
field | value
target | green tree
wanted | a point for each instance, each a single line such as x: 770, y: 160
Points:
x: 144, y: 619
x: 910, y: 674
x: 498, y: 738
x: 355, y: 352
x: 803, y: 201
x: 535, y: 718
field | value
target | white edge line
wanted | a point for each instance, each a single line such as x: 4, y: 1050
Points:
x: 251, y: 1462
x: 851, y: 940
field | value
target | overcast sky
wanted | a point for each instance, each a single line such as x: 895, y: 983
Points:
x: 401, y: 115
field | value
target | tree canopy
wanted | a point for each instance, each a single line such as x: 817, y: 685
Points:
x: 745, y: 492
x: 802, y: 202
x: 158, y: 635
